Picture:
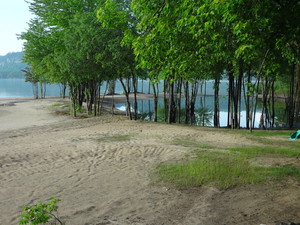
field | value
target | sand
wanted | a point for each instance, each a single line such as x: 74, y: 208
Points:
x: 102, y: 169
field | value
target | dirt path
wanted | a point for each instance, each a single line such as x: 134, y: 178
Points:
x: 101, y: 169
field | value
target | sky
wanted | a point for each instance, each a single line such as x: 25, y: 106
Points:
x: 14, y: 16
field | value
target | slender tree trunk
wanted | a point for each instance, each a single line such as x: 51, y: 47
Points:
x: 255, y: 104
x: 135, y: 83
x: 187, y: 102
x: 165, y: 100
x: 171, y: 108
x: 204, y: 105
x: 247, y: 98
x: 230, y: 100
x: 179, y: 87
x: 273, y: 103
x: 194, y: 92
x: 111, y: 87
x: 297, y: 107
x: 127, y: 98
x: 239, y: 94
x: 101, y: 106
x: 216, y: 104
x: 97, y: 99
x: 290, y: 109
x: 73, y: 93
x: 155, y: 94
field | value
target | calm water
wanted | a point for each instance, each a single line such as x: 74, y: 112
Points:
x: 20, y: 88
x: 16, y: 88
x: 13, y: 88
x: 203, y: 112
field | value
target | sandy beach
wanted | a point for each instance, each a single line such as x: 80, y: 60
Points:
x: 102, y: 170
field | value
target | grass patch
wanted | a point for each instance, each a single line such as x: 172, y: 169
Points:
x: 255, y: 151
x: 217, y: 169
x: 222, y: 170
x: 115, y: 138
x: 271, y: 133
x: 275, y: 142
x: 57, y: 104
x: 61, y: 104
x: 265, y: 137
x: 190, y: 143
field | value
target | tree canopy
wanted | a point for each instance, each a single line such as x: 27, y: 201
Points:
x: 83, y: 43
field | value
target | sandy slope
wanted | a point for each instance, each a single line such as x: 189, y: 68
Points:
x: 101, y: 169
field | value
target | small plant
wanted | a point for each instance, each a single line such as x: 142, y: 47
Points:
x: 41, y: 213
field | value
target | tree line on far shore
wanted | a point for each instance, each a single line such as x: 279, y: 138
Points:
x: 254, y: 44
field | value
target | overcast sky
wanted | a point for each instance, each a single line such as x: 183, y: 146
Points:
x: 14, y: 16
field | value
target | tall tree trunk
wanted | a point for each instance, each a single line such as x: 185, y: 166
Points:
x: 254, y: 107
x: 135, y: 83
x: 297, y: 75
x: 187, y: 102
x: 290, y: 102
x: 239, y: 94
x: 273, y: 103
x: 230, y: 100
x: 171, y: 108
x: 204, y: 105
x: 194, y: 92
x: 247, y: 94
x: 155, y: 94
x: 178, y: 97
x: 216, y: 103
x: 127, y: 98
x: 73, y: 93
x: 166, y: 88
x: 101, y: 106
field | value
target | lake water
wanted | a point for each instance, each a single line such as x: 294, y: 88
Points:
x: 146, y: 110
x: 15, y: 88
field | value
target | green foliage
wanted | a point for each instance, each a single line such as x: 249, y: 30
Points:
x: 83, y: 43
x: 29, y: 76
x: 41, y: 213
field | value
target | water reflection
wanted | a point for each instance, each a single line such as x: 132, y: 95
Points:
x: 203, y: 115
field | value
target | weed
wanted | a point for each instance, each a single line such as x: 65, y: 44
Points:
x: 41, y: 213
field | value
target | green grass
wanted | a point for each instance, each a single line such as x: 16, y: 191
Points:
x: 269, y: 138
x: 271, y: 133
x: 217, y: 169
x: 115, y: 138
x: 57, y: 104
x: 255, y: 151
x: 190, y: 143
x: 227, y: 169
x: 263, y: 139
x: 61, y: 104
